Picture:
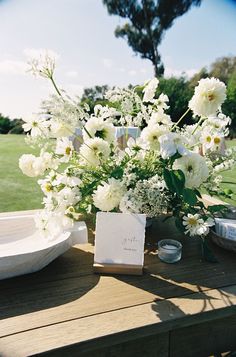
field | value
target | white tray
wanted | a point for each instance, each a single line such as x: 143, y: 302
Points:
x: 23, y: 251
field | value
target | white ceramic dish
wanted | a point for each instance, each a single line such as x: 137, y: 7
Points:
x: 23, y: 251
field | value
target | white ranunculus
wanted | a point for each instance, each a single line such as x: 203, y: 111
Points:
x: 151, y: 134
x: 31, y: 165
x: 108, y: 195
x: 170, y: 144
x: 95, y: 150
x: 208, y: 97
x: 194, y: 168
x: 64, y: 148
x: 150, y: 90
x: 97, y: 127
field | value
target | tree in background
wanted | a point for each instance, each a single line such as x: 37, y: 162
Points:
x: 223, y: 68
x: 8, y: 126
x: 94, y: 95
x: 229, y: 106
x: 147, y: 22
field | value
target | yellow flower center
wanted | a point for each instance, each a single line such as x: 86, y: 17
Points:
x: 192, y: 221
x: 211, y: 97
x: 217, y: 141
x: 48, y: 187
x: 208, y: 139
x: 68, y: 150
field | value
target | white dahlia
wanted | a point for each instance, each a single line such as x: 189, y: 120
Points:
x: 108, y: 195
x: 208, y: 97
x: 194, y: 168
x: 95, y: 150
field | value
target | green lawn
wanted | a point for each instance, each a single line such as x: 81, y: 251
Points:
x: 230, y: 176
x: 19, y: 192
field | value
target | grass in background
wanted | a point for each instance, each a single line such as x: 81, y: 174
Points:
x: 19, y: 192
x: 229, y: 177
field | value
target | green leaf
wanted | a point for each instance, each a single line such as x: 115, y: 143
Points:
x: 190, y: 196
x: 207, y: 253
x: 168, y: 180
x: 174, y: 157
x: 175, y: 180
x: 198, y: 193
x: 178, y: 180
x: 217, y: 208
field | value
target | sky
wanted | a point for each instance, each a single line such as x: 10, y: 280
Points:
x: 82, y: 33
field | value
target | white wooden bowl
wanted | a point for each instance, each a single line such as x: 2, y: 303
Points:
x: 23, y: 250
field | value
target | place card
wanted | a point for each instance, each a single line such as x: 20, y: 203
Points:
x: 226, y: 228
x: 119, y: 243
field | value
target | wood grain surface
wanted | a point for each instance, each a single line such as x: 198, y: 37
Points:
x: 66, y: 309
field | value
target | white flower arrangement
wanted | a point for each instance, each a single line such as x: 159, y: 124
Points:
x: 163, y: 171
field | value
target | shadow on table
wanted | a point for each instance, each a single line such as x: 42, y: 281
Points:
x: 64, y: 280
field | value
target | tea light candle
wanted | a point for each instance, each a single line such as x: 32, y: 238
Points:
x: 169, y: 250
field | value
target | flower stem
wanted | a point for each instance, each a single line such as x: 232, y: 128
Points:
x: 87, y: 132
x: 177, y: 123
x: 200, y: 122
x: 56, y: 88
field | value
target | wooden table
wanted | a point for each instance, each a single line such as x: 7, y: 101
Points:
x: 184, y: 309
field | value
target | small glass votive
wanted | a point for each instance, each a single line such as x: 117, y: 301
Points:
x: 169, y: 250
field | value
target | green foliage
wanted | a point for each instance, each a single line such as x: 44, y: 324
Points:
x: 229, y: 106
x: 10, y: 126
x: 147, y: 21
x: 95, y: 95
x: 190, y: 196
x: 174, y: 180
x: 179, y: 93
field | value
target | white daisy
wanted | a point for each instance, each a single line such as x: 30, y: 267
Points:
x: 195, y: 225
x: 64, y: 148
x: 36, y: 125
